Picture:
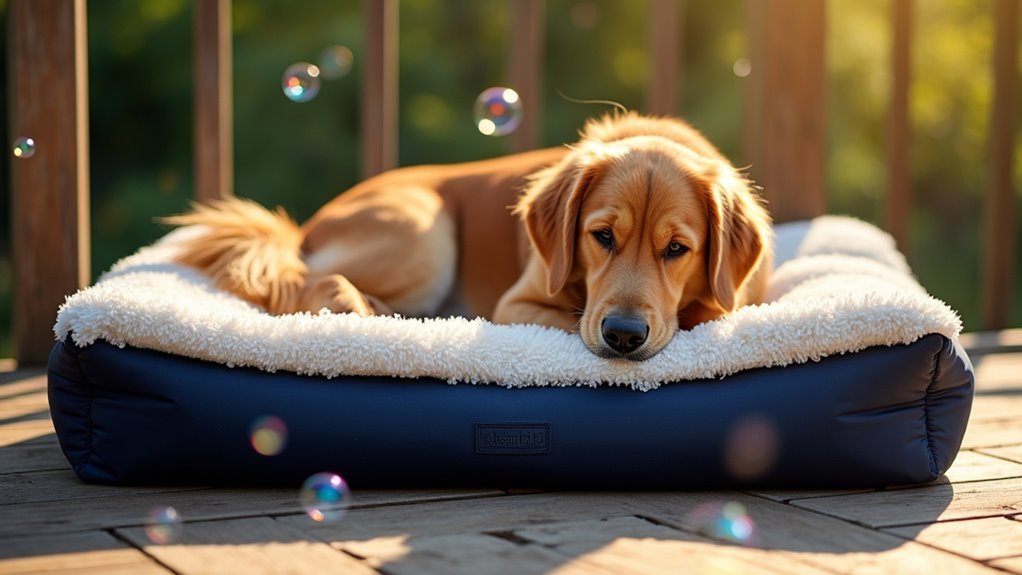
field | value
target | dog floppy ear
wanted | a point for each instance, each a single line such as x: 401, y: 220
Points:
x: 739, y: 229
x: 550, y: 209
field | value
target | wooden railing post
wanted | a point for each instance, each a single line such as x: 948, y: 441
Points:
x: 379, y: 86
x: 899, y: 182
x: 665, y: 17
x: 525, y: 59
x: 785, y: 123
x: 214, y: 148
x: 999, y: 240
x: 48, y: 99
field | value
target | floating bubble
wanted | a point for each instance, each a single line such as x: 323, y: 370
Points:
x: 335, y: 62
x: 163, y: 525
x: 751, y: 447
x: 325, y: 497
x: 742, y: 67
x: 269, y: 435
x: 498, y: 111
x: 301, y: 82
x: 724, y: 520
x: 24, y: 148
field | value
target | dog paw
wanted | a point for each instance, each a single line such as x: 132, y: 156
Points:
x: 338, y: 295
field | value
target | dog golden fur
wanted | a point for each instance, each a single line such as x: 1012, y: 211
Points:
x: 638, y: 230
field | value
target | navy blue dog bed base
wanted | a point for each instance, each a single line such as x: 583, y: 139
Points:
x: 881, y: 416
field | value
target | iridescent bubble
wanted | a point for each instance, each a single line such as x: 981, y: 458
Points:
x: 163, y: 525
x: 301, y: 82
x: 724, y: 520
x: 498, y: 111
x: 742, y: 67
x: 751, y: 447
x: 269, y: 435
x: 335, y: 62
x: 325, y: 497
x: 24, y: 148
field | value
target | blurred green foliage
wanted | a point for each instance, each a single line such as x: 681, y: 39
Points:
x: 301, y: 155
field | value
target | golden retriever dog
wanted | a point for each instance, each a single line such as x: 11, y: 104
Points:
x: 638, y: 230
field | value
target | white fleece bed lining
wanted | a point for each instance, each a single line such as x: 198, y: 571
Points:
x: 840, y: 287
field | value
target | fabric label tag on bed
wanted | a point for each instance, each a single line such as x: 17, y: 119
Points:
x: 512, y: 438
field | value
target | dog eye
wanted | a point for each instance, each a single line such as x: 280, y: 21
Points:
x: 605, y: 237
x: 674, y: 250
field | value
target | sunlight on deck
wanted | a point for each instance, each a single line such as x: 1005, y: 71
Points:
x: 21, y: 431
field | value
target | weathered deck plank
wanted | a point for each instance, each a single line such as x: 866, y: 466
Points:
x: 1013, y: 565
x: 637, y: 546
x: 32, y: 404
x: 786, y: 495
x: 980, y: 539
x: 252, y: 546
x: 45, y: 486
x: 1012, y: 452
x: 996, y: 406
x: 74, y: 553
x: 923, y: 504
x: 997, y: 433
x: 31, y: 457
x: 973, y: 466
x: 127, y: 508
x: 22, y: 381
x: 466, y: 554
x: 998, y: 371
x: 59, y: 485
x: 446, y: 518
x: 826, y: 542
x: 27, y: 431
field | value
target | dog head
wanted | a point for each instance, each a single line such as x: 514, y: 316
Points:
x: 655, y: 235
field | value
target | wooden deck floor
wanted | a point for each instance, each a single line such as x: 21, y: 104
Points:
x: 970, y: 521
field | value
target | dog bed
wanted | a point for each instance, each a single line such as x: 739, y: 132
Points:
x: 849, y: 376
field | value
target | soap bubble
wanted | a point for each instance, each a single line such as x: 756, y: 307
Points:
x: 269, y: 435
x: 24, y: 148
x: 335, y: 62
x: 325, y: 497
x: 724, y: 520
x: 301, y: 82
x: 163, y: 525
x: 751, y: 447
x: 498, y: 111
x: 742, y: 67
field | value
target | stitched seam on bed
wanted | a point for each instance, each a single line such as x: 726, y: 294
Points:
x: 89, y: 422
x: 934, y: 375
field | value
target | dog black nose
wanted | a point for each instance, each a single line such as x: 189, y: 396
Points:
x: 624, y: 334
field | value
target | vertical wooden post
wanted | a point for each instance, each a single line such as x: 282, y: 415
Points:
x: 899, y: 183
x: 48, y: 99
x: 379, y: 86
x: 785, y: 123
x: 665, y: 17
x: 214, y: 148
x: 525, y: 58
x: 999, y: 240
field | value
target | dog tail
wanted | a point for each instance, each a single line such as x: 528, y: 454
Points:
x: 247, y: 250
